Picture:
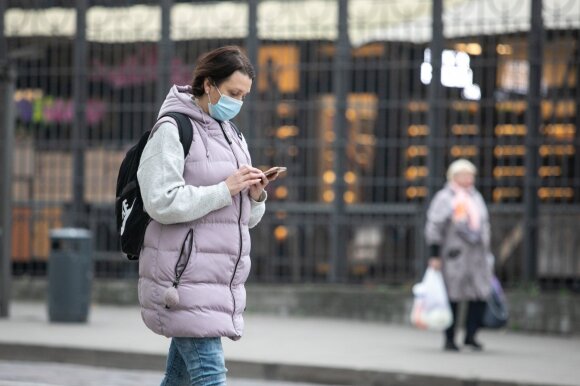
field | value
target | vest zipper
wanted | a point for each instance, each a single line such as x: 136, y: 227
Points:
x: 237, y: 261
x: 239, y: 228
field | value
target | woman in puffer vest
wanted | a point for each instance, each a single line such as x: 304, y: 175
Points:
x: 196, y: 252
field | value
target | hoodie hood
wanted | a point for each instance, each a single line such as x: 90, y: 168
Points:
x: 180, y: 100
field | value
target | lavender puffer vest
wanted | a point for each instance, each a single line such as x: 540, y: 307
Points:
x: 211, y: 290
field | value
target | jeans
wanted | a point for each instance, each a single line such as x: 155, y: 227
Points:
x: 195, y: 362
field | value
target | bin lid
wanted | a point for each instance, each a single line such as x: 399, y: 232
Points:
x: 70, y: 233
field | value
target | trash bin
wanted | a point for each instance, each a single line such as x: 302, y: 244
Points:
x: 70, y: 273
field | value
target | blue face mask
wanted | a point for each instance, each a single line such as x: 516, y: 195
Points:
x: 226, y: 107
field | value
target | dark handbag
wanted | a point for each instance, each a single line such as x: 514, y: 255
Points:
x: 496, y: 312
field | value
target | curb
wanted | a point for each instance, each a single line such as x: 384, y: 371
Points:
x: 236, y: 368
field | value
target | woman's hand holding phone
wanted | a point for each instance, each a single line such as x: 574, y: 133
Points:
x: 273, y: 173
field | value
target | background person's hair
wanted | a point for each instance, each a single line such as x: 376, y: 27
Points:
x: 461, y: 165
x: 218, y: 65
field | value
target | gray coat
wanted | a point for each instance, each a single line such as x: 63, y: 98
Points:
x: 466, y: 270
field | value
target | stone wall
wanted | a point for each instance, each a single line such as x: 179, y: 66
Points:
x: 553, y: 313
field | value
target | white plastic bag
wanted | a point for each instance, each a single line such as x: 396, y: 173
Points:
x: 431, y: 309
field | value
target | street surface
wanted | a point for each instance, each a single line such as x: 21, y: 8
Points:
x: 59, y: 374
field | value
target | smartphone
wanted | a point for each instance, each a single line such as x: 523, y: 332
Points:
x: 274, y: 170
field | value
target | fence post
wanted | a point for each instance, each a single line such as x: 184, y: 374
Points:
x: 341, y: 74
x: 79, y: 131
x: 252, y: 44
x: 533, y: 122
x: 435, y: 156
x: 165, y: 53
x: 7, y: 82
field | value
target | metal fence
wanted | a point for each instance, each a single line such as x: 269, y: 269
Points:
x: 344, y: 98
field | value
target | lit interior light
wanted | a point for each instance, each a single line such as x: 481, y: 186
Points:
x: 560, y: 109
x: 509, y: 129
x: 474, y: 49
x: 281, y: 233
x: 417, y: 151
x: 509, y: 171
x: 550, y: 171
x: 328, y: 195
x: 504, y: 49
x: 349, y: 197
x: 285, y: 109
x: 470, y: 48
x: 329, y: 177
x: 351, y: 114
x: 500, y: 194
x: 465, y: 129
x: 415, y: 172
x: 281, y: 192
x: 547, y: 193
x: 471, y: 92
x: 517, y: 107
x: 559, y: 150
x: 287, y: 131
x: 414, y: 192
x: 350, y: 177
x: 426, y: 73
x: 418, y: 130
x: 464, y: 151
x: 560, y: 131
x: 509, y: 151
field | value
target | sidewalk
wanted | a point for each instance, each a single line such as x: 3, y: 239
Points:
x: 300, y: 349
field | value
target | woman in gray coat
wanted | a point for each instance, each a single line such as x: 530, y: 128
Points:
x: 458, y: 235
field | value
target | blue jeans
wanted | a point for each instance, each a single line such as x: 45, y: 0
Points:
x: 195, y: 362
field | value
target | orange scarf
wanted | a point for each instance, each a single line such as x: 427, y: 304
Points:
x: 465, y: 209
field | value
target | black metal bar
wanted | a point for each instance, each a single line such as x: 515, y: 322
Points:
x: 340, y: 86
x: 7, y: 85
x: 533, y: 122
x: 252, y: 46
x: 3, y: 45
x: 7, y: 80
x: 165, y: 48
x: 435, y: 158
x: 576, y: 183
x: 78, y: 137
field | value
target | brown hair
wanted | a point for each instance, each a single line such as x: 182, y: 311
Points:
x: 218, y: 65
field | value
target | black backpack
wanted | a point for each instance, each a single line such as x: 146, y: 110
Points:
x: 132, y: 220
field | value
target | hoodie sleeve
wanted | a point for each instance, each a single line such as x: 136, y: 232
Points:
x: 258, y: 209
x: 166, y: 197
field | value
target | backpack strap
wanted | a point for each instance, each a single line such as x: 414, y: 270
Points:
x: 185, y: 130
x: 236, y: 129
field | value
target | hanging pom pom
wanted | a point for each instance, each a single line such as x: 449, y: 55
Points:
x: 171, y: 297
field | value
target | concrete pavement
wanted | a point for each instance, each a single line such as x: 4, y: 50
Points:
x: 327, y: 351
x: 63, y: 374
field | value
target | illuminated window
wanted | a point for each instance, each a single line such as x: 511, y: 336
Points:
x: 506, y: 130
x: 561, y: 193
x: 509, y: 171
x: 278, y: 67
x: 509, y: 151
